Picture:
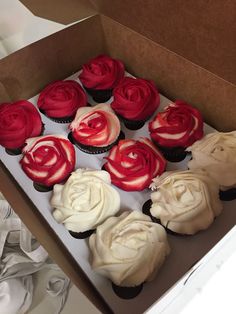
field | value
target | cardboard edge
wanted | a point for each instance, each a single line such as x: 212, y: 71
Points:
x: 27, y: 71
x: 61, y: 11
x: 47, y: 237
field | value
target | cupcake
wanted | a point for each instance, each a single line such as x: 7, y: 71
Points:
x: 18, y: 121
x: 129, y: 250
x: 133, y: 164
x: 48, y: 160
x: 184, y: 202
x: 84, y: 201
x: 176, y: 128
x: 95, y: 129
x: 216, y: 154
x: 135, y: 100
x: 60, y: 100
x: 100, y: 75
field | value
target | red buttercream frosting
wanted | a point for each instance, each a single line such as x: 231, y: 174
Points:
x: 61, y: 99
x: 135, y: 99
x: 48, y: 159
x: 18, y: 121
x: 133, y: 164
x: 179, y: 125
x: 95, y: 126
x: 102, y: 73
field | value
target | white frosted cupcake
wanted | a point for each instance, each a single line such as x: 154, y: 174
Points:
x: 129, y: 250
x: 216, y: 154
x: 185, y: 202
x: 84, y: 201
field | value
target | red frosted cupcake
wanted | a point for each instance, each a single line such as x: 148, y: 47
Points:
x: 133, y: 164
x: 135, y: 100
x: 60, y: 100
x: 95, y: 129
x: 48, y: 160
x: 18, y: 121
x: 100, y: 76
x: 176, y: 128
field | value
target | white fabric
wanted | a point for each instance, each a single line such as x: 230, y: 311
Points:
x: 16, y: 295
x: 21, y: 259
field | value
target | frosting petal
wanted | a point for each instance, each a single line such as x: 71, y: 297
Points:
x: 216, y: 154
x: 132, y: 164
x: 95, y: 126
x: 48, y: 159
x: 185, y: 201
x: 179, y: 125
x: 18, y: 121
x: 129, y: 249
x: 102, y: 72
x: 85, y: 200
x: 62, y: 98
x: 135, y: 99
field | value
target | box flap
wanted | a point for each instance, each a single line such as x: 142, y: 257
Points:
x: 202, y: 31
x: 61, y: 11
x: 25, y: 72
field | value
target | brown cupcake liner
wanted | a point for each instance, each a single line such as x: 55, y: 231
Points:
x: 93, y: 149
x: 81, y: 235
x: 127, y: 292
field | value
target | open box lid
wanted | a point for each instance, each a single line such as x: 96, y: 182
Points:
x: 204, y: 33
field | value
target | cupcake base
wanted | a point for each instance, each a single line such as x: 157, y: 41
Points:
x: 99, y: 95
x: 42, y: 188
x: 81, y: 235
x: 132, y: 124
x: 228, y: 195
x: 146, y: 210
x: 13, y: 152
x: 94, y: 149
x: 58, y: 120
x: 174, y: 154
x: 127, y: 292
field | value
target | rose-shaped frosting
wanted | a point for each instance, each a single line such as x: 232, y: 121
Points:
x: 135, y: 99
x: 85, y: 200
x: 61, y: 99
x: 178, y: 125
x: 48, y: 159
x: 18, y: 121
x: 95, y: 126
x: 129, y: 249
x: 132, y: 164
x: 216, y: 154
x: 185, y: 201
x: 102, y: 72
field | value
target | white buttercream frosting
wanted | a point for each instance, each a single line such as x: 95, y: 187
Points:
x: 129, y: 249
x: 85, y: 200
x: 185, y: 201
x: 216, y: 154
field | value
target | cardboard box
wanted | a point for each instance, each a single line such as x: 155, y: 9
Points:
x: 185, y: 49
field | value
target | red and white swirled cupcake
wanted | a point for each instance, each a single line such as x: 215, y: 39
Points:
x: 135, y: 100
x: 133, y: 164
x: 18, y: 121
x: 95, y: 129
x: 100, y: 75
x: 176, y: 128
x: 48, y: 160
x: 60, y: 100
